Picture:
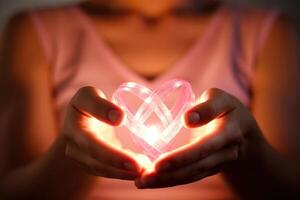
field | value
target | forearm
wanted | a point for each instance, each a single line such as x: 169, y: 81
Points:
x: 52, y: 177
x: 264, y: 174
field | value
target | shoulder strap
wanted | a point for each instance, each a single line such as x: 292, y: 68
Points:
x: 250, y: 30
x: 42, y: 33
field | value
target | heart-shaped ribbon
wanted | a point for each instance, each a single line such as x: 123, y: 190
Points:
x: 155, y: 139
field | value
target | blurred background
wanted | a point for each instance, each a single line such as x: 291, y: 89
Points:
x: 9, y: 7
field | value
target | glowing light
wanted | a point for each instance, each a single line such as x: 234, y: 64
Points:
x: 131, y: 84
x: 177, y: 85
x: 148, y: 100
x: 145, y: 162
x: 205, y: 130
x: 93, y: 125
x: 100, y: 131
x: 170, y: 121
x: 144, y: 90
x: 152, y: 134
x: 101, y: 94
x: 212, y: 126
x: 204, y: 97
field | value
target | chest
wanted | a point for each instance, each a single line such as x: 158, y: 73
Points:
x: 150, y: 49
x: 107, y: 54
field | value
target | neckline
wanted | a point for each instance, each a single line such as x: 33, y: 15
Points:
x: 120, y: 66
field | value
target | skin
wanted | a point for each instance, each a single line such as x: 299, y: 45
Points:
x: 253, y: 145
x: 42, y: 161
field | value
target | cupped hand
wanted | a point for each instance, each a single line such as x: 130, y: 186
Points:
x: 94, y: 155
x: 231, y: 128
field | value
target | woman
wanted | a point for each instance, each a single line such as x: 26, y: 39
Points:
x: 50, y: 55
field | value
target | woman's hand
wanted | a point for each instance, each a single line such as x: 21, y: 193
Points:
x: 97, y: 157
x: 230, y: 133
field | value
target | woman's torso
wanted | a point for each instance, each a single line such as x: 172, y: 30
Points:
x: 223, y: 57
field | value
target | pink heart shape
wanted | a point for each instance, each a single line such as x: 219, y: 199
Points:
x: 155, y: 139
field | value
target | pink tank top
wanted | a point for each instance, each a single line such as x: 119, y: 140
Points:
x: 224, y: 57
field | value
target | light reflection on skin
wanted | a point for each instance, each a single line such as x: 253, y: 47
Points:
x: 200, y: 134
x: 98, y: 128
x: 102, y: 132
x: 105, y: 133
x: 206, y: 129
x: 145, y: 163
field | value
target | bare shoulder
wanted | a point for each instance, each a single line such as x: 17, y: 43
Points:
x: 23, y: 41
x: 22, y: 51
x: 26, y: 95
x: 278, y: 56
x: 276, y: 87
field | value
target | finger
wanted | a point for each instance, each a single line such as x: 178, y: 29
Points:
x: 106, y: 153
x: 153, y: 183
x: 92, y: 144
x: 225, y: 135
x: 218, y: 103
x: 88, y: 101
x: 94, y: 167
x: 203, y: 168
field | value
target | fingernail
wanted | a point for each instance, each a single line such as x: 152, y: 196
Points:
x: 193, y: 118
x: 129, y: 167
x: 114, y: 116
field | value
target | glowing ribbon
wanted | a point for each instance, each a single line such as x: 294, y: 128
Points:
x: 170, y: 119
